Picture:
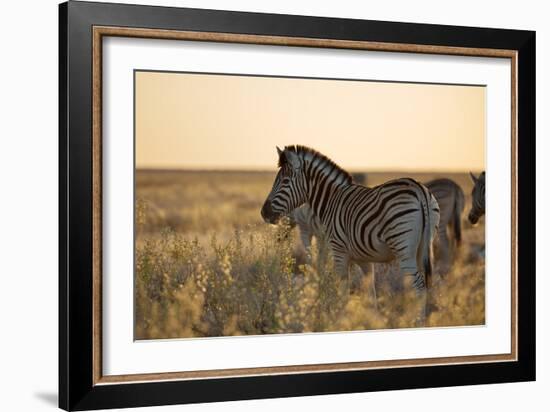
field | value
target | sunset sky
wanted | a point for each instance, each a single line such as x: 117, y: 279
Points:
x: 198, y: 121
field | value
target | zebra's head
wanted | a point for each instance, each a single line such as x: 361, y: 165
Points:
x: 289, y: 189
x: 478, y: 198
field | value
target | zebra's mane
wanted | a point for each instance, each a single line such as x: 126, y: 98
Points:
x: 309, y: 154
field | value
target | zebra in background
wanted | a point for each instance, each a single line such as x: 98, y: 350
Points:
x: 309, y: 225
x: 395, y: 220
x: 359, y: 178
x: 478, y: 198
x: 450, y: 198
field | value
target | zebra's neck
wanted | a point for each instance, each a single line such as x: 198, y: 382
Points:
x: 325, y: 180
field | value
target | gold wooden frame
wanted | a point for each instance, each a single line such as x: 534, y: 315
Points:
x: 100, y: 31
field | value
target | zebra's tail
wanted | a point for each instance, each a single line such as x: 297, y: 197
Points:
x: 457, y: 213
x: 430, y: 226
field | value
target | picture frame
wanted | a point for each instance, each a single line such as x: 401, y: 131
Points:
x: 83, y: 27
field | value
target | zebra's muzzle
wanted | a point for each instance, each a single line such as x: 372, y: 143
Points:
x: 268, y: 215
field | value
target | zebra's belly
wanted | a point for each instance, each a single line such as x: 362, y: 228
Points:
x: 379, y: 254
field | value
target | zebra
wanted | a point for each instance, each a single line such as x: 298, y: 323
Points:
x: 478, y: 198
x: 450, y: 198
x: 309, y: 225
x: 360, y: 178
x: 395, y: 220
x: 448, y: 194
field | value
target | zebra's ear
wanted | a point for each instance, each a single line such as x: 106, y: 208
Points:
x: 282, y: 159
x: 473, y: 177
x: 293, y: 159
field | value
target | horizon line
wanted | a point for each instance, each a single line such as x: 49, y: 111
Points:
x: 261, y: 170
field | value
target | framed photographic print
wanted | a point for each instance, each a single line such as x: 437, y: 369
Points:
x: 256, y: 205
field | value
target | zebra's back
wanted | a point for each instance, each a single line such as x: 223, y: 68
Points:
x: 450, y: 197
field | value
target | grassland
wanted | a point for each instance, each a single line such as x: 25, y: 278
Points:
x: 207, y: 265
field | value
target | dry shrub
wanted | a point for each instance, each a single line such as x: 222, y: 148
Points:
x: 252, y: 285
x: 249, y: 285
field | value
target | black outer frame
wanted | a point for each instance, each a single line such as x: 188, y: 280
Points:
x: 76, y: 389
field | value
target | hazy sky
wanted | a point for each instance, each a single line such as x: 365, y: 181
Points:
x: 197, y: 121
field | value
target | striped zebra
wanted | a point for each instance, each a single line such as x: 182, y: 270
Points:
x: 478, y: 198
x: 448, y: 194
x: 309, y: 225
x: 450, y: 198
x: 396, y: 220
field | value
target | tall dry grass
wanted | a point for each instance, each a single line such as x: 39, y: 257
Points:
x: 206, y: 265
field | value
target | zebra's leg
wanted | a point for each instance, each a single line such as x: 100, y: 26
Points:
x: 409, y: 268
x: 341, y: 267
x: 365, y: 268
x: 306, y: 237
x: 444, y: 248
x: 419, y: 284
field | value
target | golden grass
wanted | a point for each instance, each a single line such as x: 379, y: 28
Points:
x: 207, y: 265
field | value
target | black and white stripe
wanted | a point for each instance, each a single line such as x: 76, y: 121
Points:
x: 450, y: 198
x: 309, y: 225
x: 396, y: 220
x: 448, y: 194
x: 478, y: 198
